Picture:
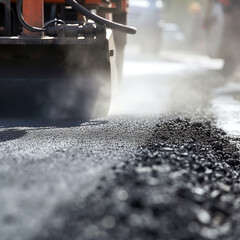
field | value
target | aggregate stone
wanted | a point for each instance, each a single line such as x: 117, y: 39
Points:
x: 183, y: 184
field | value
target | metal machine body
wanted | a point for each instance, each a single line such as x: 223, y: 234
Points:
x: 69, y: 51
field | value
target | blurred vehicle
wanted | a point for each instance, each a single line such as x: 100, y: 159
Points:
x: 172, y: 36
x: 146, y: 16
x: 221, y: 22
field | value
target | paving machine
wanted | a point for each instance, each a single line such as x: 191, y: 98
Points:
x: 58, y: 57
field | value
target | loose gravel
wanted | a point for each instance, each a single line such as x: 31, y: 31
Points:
x: 183, y: 183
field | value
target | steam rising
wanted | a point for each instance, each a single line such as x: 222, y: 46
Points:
x: 173, y: 83
x: 85, y: 90
x: 167, y: 69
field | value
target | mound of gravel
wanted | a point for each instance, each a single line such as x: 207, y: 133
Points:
x: 183, y: 184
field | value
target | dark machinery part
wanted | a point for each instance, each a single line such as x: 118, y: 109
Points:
x: 7, y: 16
x: 78, y: 7
x: 63, y: 61
x: 112, y: 25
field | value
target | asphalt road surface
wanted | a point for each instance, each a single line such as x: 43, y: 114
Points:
x: 159, y: 167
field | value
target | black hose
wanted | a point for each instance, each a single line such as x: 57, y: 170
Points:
x: 54, y: 21
x: 113, y: 25
x: 23, y: 22
x: 78, y: 7
x: 31, y: 28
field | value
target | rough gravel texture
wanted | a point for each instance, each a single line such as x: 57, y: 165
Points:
x: 183, y: 184
x: 43, y: 166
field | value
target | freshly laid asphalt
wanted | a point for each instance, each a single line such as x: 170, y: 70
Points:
x: 42, y: 167
x: 159, y: 167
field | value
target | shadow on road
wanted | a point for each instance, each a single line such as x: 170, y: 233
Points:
x: 11, y: 134
x: 44, y: 123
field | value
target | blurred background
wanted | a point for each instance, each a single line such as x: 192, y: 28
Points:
x: 167, y: 24
x: 183, y: 52
x: 203, y: 27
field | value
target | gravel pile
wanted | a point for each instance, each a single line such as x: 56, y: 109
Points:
x: 183, y: 184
